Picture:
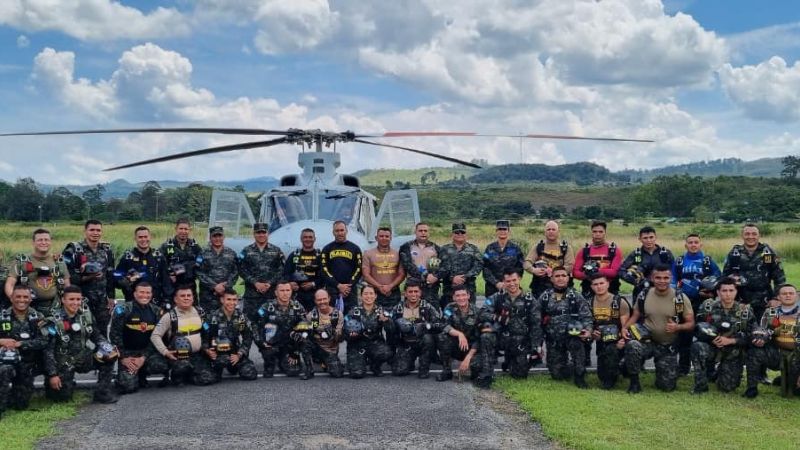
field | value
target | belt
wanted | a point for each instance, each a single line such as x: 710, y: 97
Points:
x: 187, y: 333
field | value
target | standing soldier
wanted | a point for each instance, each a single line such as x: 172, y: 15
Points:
x: 304, y: 269
x: 382, y: 270
x: 364, y: 329
x: 21, y: 342
x: 180, y: 256
x: 341, y: 267
x: 227, y: 339
x: 217, y: 270
x: 663, y: 312
x: 636, y: 268
x: 77, y: 345
x: 598, y: 257
x: 610, y: 313
x: 260, y: 266
x: 326, y: 323
x: 131, y: 327
x: 416, y: 323
x: 461, y: 264
x: 44, y: 274
x: 545, y: 256
x: 91, y: 267
x: 462, y: 340
x: 723, y: 334
x: 140, y: 263
x: 500, y: 255
x: 420, y: 260
x: 516, y: 325
x: 567, y: 322
x: 757, y: 269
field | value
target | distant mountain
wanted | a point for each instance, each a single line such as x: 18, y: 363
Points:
x: 583, y: 173
x: 121, y: 188
x: 764, y: 167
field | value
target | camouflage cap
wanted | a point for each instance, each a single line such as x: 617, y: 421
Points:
x: 215, y: 230
x: 459, y: 227
x: 260, y: 226
x: 503, y: 224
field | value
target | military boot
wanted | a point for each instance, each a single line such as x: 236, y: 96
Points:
x: 751, y: 392
x: 635, y: 387
x: 447, y: 371
x: 104, y: 392
x: 580, y: 381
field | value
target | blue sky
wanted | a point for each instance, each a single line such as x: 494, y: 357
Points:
x: 705, y: 79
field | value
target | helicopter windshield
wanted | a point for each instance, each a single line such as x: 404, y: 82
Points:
x: 298, y: 205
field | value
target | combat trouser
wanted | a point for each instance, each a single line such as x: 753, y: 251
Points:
x: 407, y: 352
x: 103, y: 392
x: 98, y: 305
x: 195, y: 369
x: 128, y: 383
x: 769, y: 357
x: 330, y: 360
x: 666, y: 361
x: 245, y: 368
x: 362, y: 353
x: 516, y: 351
x: 481, y: 366
x: 566, y: 358
x: 729, y: 371
x: 292, y: 359
x: 608, y: 359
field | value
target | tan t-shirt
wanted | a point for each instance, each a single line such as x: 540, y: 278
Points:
x: 658, y: 310
x: 188, y: 322
x: 383, y: 266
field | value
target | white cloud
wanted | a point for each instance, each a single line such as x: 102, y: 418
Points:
x: 92, y: 20
x: 762, y: 43
x: 767, y: 91
x: 23, y: 41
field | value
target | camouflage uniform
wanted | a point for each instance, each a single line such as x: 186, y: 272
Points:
x: 414, y: 258
x: 369, y: 348
x: 497, y: 259
x: 740, y: 320
x: 148, y: 266
x: 762, y: 271
x: 259, y: 265
x: 785, y: 330
x: 46, y: 290
x: 325, y: 340
x: 172, y: 254
x: 69, y: 350
x: 636, y: 267
x: 230, y: 336
x: 467, y: 261
x: 419, y: 343
x: 215, y: 268
x: 517, y: 325
x: 131, y: 327
x: 608, y: 355
x: 96, y: 290
x: 272, y: 332
x: 16, y: 380
x: 566, y: 354
x: 469, y: 323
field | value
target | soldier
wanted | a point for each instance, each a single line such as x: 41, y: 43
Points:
x: 663, y: 312
x: 44, y: 274
x: 545, y: 256
x: 260, y: 266
x: 326, y: 323
x: 723, y: 334
x: 756, y: 267
x: 462, y: 340
x: 276, y: 338
x: 227, y: 339
x: 687, y: 272
x: 774, y: 339
x: 416, y: 323
x: 382, y: 270
x: 610, y: 313
x: 217, y: 270
x: 461, y: 264
x: 364, y: 329
x: 91, y: 267
x: 599, y: 257
x: 21, y: 343
x: 140, y: 263
x: 636, y: 267
x: 567, y: 322
x: 177, y: 337
x: 131, y: 327
x: 306, y: 260
x: 516, y: 320
x: 179, y: 256
x: 341, y: 267
x: 71, y: 328
x: 420, y: 259
x: 499, y: 255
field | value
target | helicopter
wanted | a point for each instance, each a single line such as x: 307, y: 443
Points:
x: 319, y: 195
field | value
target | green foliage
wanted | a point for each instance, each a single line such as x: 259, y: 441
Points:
x: 583, y: 174
x: 22, y: 429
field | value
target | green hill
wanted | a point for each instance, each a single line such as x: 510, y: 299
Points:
x: 764, y: 167
x: 432, y: 175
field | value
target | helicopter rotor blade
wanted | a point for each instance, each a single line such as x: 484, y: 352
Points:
x: 421, y: 152
x: 204, y: 151
x: 239, y: 131
x: 392, y: 134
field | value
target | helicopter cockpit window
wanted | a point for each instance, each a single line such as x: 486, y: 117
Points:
x: 291, y: 208
x: 339, y: 206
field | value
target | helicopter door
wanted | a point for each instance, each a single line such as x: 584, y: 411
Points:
x: 399, y: 211
x: 231, y: 211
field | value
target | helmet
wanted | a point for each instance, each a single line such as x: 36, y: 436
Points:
x: 182, y: 347
x: 223, y: 345
x: 590, y: 268
x: 608, y: 333
x: 434, y: 263
x: 640, y: 332
x: 353, y: 326
x: 92, y: 268
x: 709, y: 283
x: 406, y: 328
x: 106, y: 352
x: 299, y: 277
x: 761, y: 334
x: 270, y: 333
x: 540, y: 264
x: 177, y: 269
x: 574, y: 328
x: 302, y: 330
x: 9, y: 356
x: 706, y: 332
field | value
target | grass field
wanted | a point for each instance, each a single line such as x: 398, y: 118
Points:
x: 596, y: 419
x: 22, y: 429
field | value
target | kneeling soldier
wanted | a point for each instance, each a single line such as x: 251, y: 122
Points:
x: 363, y: 328
x: 416, y: 323
x: 462, y: 340
x: 227, y: 336
x: 610, y: 312
x: 327, y: 323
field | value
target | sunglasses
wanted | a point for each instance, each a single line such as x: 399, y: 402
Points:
x: 459, y: 232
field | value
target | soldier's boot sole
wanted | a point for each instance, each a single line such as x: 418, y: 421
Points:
x: 751, y: 392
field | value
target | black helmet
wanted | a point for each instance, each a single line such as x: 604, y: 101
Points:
x: 706, y: 332
x: 709, y: 283
x: 761, y: 334
x: 574, y: 328
x: 270, y: 333
x: 299, y: 277
x: 609, y: 333
x: 406, y: 328
x: 106, y: 352
x: 182, y: 347
x: 92, y: 268
x: 9, y: 356
x: 352, y: 325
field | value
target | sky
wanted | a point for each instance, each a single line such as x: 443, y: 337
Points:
x: 705, y: 79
